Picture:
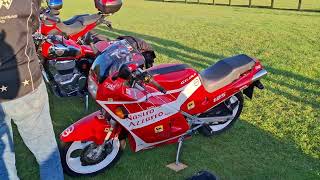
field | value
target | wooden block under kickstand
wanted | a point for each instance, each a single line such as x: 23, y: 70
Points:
x: 177, y: 167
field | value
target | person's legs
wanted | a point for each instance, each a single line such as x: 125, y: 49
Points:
x: 7, y: 156
x: 33, y: 120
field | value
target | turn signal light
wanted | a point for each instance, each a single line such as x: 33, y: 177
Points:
x: 120, y: 113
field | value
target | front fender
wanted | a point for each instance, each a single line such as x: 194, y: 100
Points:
x: 89, y: 128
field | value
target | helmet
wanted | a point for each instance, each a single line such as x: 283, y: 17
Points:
x: 108, y: 6
x: 55, y: 4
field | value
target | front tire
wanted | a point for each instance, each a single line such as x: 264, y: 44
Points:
x: 75, y: 161
x: 236, y: 102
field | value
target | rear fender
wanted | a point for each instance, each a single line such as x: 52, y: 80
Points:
x: 90, y: 128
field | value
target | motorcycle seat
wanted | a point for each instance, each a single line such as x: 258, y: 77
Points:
x: 84, y: 19
x: 77, y: 23
x: 72, y: 28
x: 225, y: 72
x: 166, y: 68
x: 74, y: 19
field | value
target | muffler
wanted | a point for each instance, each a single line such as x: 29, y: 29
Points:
x: 259, y: 75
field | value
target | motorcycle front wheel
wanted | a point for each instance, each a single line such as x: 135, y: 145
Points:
x: 86, y: 158
x: 232, y: 106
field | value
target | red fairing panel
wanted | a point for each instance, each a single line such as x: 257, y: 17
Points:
x: 89, y: 128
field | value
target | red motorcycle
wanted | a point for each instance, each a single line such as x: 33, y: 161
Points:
x: 78, y: 26
x: 161, y: 105
x: 67, y: 49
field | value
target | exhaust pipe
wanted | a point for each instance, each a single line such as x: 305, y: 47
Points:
x: 259, y: 75
x: 45, y: 76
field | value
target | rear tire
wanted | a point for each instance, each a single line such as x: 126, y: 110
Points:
x: 78, y: 169
x: 214, y: 129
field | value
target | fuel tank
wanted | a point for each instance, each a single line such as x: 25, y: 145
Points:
x: 57, y: 47
x: 173, y: 76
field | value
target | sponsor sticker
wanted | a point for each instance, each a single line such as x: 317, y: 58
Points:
x: 191, y: 105
x: 158, y: 129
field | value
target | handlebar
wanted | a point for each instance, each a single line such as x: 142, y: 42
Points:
x: 139, y: 76
x: 49, y: 14
x: 159, y: 87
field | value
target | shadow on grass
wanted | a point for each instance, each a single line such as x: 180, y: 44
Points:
x: 283, y: 77
x: 235, y: 5
x: 200, y: 60
x: 172, y: 49
x: 252, y: 153
x: 243, y: 152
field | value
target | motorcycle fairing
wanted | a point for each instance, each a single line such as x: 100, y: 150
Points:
x: 153, y: 115
x: 89, y: 128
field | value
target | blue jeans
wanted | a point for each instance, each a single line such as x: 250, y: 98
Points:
x: 32, y: 116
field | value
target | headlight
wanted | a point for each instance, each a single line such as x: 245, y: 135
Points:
x: 92, y: 87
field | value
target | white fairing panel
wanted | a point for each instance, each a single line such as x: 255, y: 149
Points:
x: 144, y: 118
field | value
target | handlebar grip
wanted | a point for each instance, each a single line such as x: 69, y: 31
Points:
x: 159, y: 87
x: 52, y: 18
x: 115, y: 77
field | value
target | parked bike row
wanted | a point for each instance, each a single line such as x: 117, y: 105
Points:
x: 146, y: 104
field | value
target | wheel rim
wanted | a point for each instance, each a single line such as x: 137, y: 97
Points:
x: 218, y: 127
x: 75, y: 164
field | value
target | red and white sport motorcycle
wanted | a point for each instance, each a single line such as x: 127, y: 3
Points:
x: 161, y: 105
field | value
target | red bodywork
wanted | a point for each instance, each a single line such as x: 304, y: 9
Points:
x: 153, y: 118
x: 89, y: 128
x: 85, y: 51
x: 50, y: 27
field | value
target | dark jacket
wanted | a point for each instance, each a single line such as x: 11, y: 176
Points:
x: 19, y: 65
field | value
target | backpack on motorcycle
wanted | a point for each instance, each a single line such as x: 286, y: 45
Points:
x: 143, y: 47
x: 108, y: 6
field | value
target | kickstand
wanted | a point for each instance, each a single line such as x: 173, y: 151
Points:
x: 179, y: 149
x: 178, y: 166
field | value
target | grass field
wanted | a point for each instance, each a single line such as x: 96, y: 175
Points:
x: 282, y: 4
x: 278, y: 134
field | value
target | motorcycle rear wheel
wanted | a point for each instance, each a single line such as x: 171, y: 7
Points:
x: 80, y: 166
x: 213, y: 129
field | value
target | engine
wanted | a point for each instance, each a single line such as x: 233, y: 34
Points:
x: 65, y: 77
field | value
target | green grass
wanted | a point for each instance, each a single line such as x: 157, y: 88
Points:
x: 283, y: 4
x: 278, y: 134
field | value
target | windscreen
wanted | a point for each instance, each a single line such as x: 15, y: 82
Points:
x: 111, y: 59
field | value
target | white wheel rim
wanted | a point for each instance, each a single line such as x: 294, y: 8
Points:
x: 75, y: 164
x: 218, y: 127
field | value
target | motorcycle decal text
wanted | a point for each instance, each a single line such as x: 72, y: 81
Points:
x: 68, y: 131
x: 144, y: 118
x: 142, y: 121
x: 141, y: 114
x: 219, y: 97
x: 188, y: 79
